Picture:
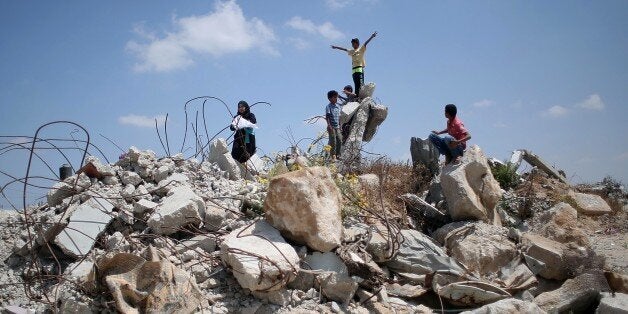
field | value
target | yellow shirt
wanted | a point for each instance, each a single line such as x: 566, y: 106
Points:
x: 357, y: 56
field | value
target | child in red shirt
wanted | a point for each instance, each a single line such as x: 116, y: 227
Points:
x: 452, y: 145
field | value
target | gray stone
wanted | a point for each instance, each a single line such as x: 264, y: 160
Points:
x: 130, y: 177
x: 182, y: 207
x: 507, y: 306
x: 219, y: 154
x: 419, y: 256
x: 334, y: 279
x: 377, y: 115
x: 423, y: 152
x: 481, y: 247
x: 590, y: 204
x: 205, y: 242
x: 260, y: 258
x: 545, y: 257
x: 470, y: 189
x: 175, y: 180
x: 351, y: 153
x: 70, y: 306
x: 615, y: 303
x: 143, y: 206
x: 305, y: 206
x: 367, y: 90
x: 85, y: 225
x: 214, y: 216
x: 575, y: 295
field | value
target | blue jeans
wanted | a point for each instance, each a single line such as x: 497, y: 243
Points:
x: 442, y: 144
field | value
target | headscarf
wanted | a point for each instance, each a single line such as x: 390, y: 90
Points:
x: 247, y: 110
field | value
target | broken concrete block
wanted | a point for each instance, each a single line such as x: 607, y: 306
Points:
x: 545, y: 257
x: 470, y: 189
x: 367, y: 90
x: 72, y: 185
x: 182, y: 207
x: 278, y: 297
x: 305, y: 206
x: 85, y: 225
x: 130, y: 177
x: 205, y: 242
x: 377, y: 115
x: 590, y: 204
x: 219, y: 154
x: 481, y: 247
x: 351, y: 153
x: 423, y: 152
x: 347, y: 111
x: 613, y: 303
x: 103, y: 170
x: 380, y: 246
x: 260, y: 258
x: 143, y: 206
x: 176, y: 179
x: 536, y: 161
x: 214, y: 216
x: 575, y: 295
x: 510, y: 305
x: 419, y: 255
x: 335, y: 282
x: 561, y: 225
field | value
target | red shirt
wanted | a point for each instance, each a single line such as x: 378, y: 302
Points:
x: 455, y: 128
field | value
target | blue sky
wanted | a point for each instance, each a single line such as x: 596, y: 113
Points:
x: 550, y: 77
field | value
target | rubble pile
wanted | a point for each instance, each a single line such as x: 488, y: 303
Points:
x: 171, y: 235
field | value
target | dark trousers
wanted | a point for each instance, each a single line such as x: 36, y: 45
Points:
x: 358, y: 81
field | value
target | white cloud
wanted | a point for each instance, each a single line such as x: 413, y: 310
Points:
x: 141, y: 121
x: 326, y: 30
x: 500, y: 125
x: 555, y: 112
x: 341, y: 4
x: 223, y: 31
x: 594, y: 102
x: 483, y: 103
x: 299, y: 43
x: 337, y: 4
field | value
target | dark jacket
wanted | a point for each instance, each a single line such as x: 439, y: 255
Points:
x: 244, y: 140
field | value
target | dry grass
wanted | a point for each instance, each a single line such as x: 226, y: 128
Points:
x: 396, y: 178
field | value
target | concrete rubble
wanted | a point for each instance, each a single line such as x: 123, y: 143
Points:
x: 174, y: 235
x: 470, y: 189
x: 305, y: 206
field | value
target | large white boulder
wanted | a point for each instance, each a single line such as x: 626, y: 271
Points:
x: 305, y: 206
x: 590, y: 204
x: 260, y: 258
x: 481, y: 247
x: 180, y: 208
x: 545, y: 257
x: 470, y: 189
